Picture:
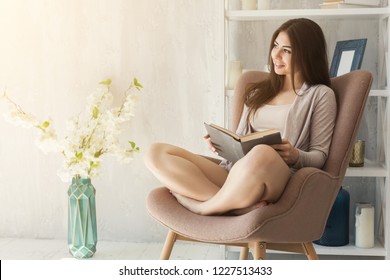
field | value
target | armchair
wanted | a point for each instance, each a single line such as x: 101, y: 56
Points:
x: 299, y: 216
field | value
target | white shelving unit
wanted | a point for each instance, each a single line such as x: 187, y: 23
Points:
x: 250, y: 15
x: 378, y: 170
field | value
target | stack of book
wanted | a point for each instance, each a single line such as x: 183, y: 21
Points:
x: 341, y: 4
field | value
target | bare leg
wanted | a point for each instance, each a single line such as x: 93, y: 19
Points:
x: 185, y: 173
x: 260, y: 175
x: 243, y: 211
x: 195, y: 205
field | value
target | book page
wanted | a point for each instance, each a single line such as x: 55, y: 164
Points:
x: 258, y: 134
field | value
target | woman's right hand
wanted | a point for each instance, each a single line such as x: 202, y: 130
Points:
x: 210, y: 144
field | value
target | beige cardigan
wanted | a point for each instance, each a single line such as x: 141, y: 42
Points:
x: 309, y: 124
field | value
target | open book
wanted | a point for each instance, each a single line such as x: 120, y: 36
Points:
x: 232, y: 146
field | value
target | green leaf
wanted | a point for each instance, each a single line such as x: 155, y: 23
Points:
x: 93, y: 164
x: 45, y: 124
x: 98, y: 153
x: 137, y: 84
x: 95, y: 112
x: 79, y: 155
x: 133, y: 146
x: 106, y: 82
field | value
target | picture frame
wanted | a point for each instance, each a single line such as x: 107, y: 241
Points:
x: 347, y: 56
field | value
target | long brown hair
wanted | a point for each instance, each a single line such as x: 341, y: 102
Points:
x: 309, y: 55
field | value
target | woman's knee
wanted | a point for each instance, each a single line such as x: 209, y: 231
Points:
x: 262, y: 156
x: 153, y: 155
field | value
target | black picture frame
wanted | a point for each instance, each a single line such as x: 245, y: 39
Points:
x: 347, y: 56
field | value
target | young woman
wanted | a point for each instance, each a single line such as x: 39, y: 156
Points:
x: 296, y: 99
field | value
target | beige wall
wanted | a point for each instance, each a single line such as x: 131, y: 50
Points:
x: 53, y: 54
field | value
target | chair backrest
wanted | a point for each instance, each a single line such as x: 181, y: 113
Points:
x: 351, y: 90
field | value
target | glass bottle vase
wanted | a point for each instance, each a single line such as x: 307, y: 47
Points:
x: 82, y: 231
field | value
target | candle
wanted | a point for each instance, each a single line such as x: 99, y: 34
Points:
x: 234, y: 73
x: 248, y: 4
x: 264, y: 4
x: 364, y: 235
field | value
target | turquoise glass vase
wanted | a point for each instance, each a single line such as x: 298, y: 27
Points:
x: 82, y: 232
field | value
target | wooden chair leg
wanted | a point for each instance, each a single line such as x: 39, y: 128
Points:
x: 259, y: 250
x: 244, y: 253
x: 309, y: 250
x: 168, y: 245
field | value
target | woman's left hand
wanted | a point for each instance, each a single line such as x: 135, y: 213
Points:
x: 287, y: 152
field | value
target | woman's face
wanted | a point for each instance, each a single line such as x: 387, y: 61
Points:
x: 281, y: 54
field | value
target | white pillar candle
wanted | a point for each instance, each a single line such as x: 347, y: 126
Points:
x: 364, y: 237
x: 264, y: 4
x: 248, y: 4
x: 234, y: 73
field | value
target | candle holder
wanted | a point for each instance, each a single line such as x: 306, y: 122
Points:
x: 358, y: 153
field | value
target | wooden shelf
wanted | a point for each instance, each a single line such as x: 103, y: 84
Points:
x: 373, y: 93
x: 368, y: 170
x: 379, y: 92
x: 347, y: 250
x: 351, y: 250
x: 258, y: 15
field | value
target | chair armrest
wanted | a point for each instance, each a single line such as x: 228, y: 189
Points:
x: 307, y: 200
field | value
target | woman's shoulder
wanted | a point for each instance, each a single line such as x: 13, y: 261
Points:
x: 317, y: 94
x: 315, y: 89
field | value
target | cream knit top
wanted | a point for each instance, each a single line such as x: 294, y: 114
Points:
x: 270, y: 117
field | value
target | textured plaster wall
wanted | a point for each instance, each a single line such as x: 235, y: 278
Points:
x: 53, y: 54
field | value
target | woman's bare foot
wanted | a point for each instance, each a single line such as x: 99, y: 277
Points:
x: 189, y: 203
x: 196, y: 205
x: 243, y: 211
